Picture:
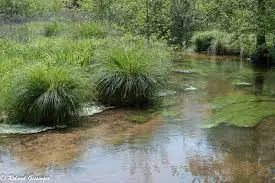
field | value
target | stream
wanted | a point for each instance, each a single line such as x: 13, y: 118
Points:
x: 173, y: 146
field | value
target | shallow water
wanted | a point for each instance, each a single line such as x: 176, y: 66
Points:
x: 171, y: 147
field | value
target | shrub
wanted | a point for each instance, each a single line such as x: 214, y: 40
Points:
x: 45, y: 96
x: 219, y: 43
x: 224, y: 46
x: 89, y: 30
x: 130, y: 73
x: 52, y: 29
x: 203, y: 40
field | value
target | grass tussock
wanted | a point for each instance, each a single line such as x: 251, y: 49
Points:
x: 130, y: 73
x: 44, y: 95
x: 52, y: 29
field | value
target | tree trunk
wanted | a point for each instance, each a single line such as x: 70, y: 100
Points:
x: 261, y: 56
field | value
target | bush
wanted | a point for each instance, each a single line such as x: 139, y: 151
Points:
x: 224, y: 46
x: 219, y: 43
x: 45, y: 96
x: 203, y: 40
x: 130, y: 73
x: 90, y: 30
x: 52, y: 29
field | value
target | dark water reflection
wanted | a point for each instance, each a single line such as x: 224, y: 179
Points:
x: 173, y: 149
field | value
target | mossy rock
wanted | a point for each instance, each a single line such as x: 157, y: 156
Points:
x: 241, y: 110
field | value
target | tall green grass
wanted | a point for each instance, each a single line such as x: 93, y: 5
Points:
x: 44, y: 80
x: 52, y: 29
x: 42, y: 95
x: 51, y: 50
x: 90, y: 30
x: 130, y: 73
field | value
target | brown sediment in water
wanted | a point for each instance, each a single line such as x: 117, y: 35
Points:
x: 268, y: 124
x: 231, y: 169
x: 45, y: 149
x: 60, y: 148
x: 113, y: 126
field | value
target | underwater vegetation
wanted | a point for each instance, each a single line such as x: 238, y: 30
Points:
x: 241, y: 110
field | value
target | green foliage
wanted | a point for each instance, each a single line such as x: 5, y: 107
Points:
x: 241, y: 110
x: 43, y: 95
x: 222, y: 43
x: 90, y: 30
x: 130, y: 73
x: 52, y: 29
x: 225, y: 46
x: 101, y: 8
x: 248, y: 44
x: 183, y: 21
x: 12, y: 8
x: 203, y: 40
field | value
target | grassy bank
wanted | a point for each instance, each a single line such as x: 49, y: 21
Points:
x: 50, y: 69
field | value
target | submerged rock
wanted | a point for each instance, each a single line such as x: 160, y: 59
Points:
x: 190, y: 88
x: 242, y: 84
x: 186, y: 87
x: 183, y: 71
x: 165, y: 93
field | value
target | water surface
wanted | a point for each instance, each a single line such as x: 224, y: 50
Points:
x: 171, y: 147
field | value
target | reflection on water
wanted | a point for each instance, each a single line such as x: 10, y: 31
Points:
x: 170, y: 147
x: 259, y: 80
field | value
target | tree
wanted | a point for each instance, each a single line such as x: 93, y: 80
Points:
x: 183, y: 21
x: 242, y: 17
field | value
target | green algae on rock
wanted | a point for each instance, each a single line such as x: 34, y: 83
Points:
x: 241, y: 110
x: 139, y: 117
